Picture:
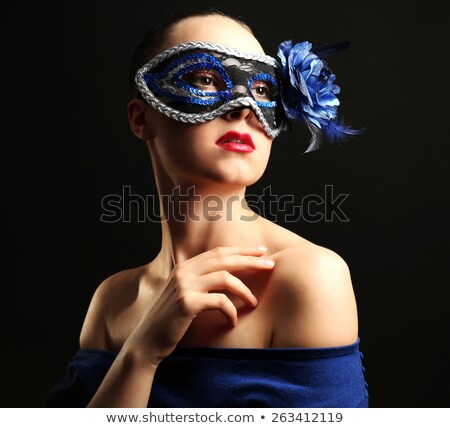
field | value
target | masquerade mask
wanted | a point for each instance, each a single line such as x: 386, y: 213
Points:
x: 196, y: 82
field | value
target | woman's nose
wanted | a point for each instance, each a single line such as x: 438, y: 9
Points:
x: 238, y: 114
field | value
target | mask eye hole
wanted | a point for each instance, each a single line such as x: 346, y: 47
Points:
x: 264, y: 88
x: 206, y: 80
x: 262, y: 91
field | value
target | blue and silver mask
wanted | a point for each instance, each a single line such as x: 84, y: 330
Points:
x: 196, y: 82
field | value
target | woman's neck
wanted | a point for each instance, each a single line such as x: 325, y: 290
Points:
x: 198, y: 218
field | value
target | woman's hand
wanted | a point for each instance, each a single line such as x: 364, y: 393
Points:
x: 187, y: 293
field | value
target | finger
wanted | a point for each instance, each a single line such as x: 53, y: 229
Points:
x: 217, y: 301
x: 223, y: 251
x: 232, y: 262
x: 223, y: 280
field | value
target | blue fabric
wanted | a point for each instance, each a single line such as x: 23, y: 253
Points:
x: 232, y: 377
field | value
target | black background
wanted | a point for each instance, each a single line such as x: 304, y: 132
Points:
x: 66, y: 144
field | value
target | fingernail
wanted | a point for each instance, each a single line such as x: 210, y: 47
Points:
x: 261, y: 248
x: 268, y: 262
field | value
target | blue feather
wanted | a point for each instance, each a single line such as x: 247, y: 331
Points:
x: 335, y: 130
x: 327, y: 49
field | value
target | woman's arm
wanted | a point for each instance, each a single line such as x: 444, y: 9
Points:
x: 130, y: 378
x: 314, y: 304
x: 128, y: 382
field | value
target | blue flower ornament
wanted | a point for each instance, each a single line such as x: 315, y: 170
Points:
x: 309, y: 92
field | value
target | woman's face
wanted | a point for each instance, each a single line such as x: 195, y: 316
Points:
x: 189, y: 153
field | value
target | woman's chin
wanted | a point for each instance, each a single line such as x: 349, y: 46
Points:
x: 233, y: 179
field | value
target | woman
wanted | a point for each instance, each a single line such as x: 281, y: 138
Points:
x: 234, y: 310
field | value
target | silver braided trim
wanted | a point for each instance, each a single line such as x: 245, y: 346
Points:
x: 266, y: 59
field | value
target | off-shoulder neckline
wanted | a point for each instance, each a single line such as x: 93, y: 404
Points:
x: 219, y: 352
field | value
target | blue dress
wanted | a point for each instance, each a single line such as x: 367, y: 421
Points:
x: 231, y: 377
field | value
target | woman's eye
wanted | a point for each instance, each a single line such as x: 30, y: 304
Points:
x: 261, y: 90
x: 204, y: 80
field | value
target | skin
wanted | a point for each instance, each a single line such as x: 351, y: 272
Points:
x: 202, y: 289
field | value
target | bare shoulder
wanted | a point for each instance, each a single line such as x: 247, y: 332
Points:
x: 314, y: 300
x: 114, y: 295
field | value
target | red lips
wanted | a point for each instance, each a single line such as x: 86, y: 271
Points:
x: 235, y: 141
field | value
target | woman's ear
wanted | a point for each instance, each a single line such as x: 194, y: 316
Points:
x: 139, y: 119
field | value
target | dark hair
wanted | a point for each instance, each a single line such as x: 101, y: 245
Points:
x: 156, y: 37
